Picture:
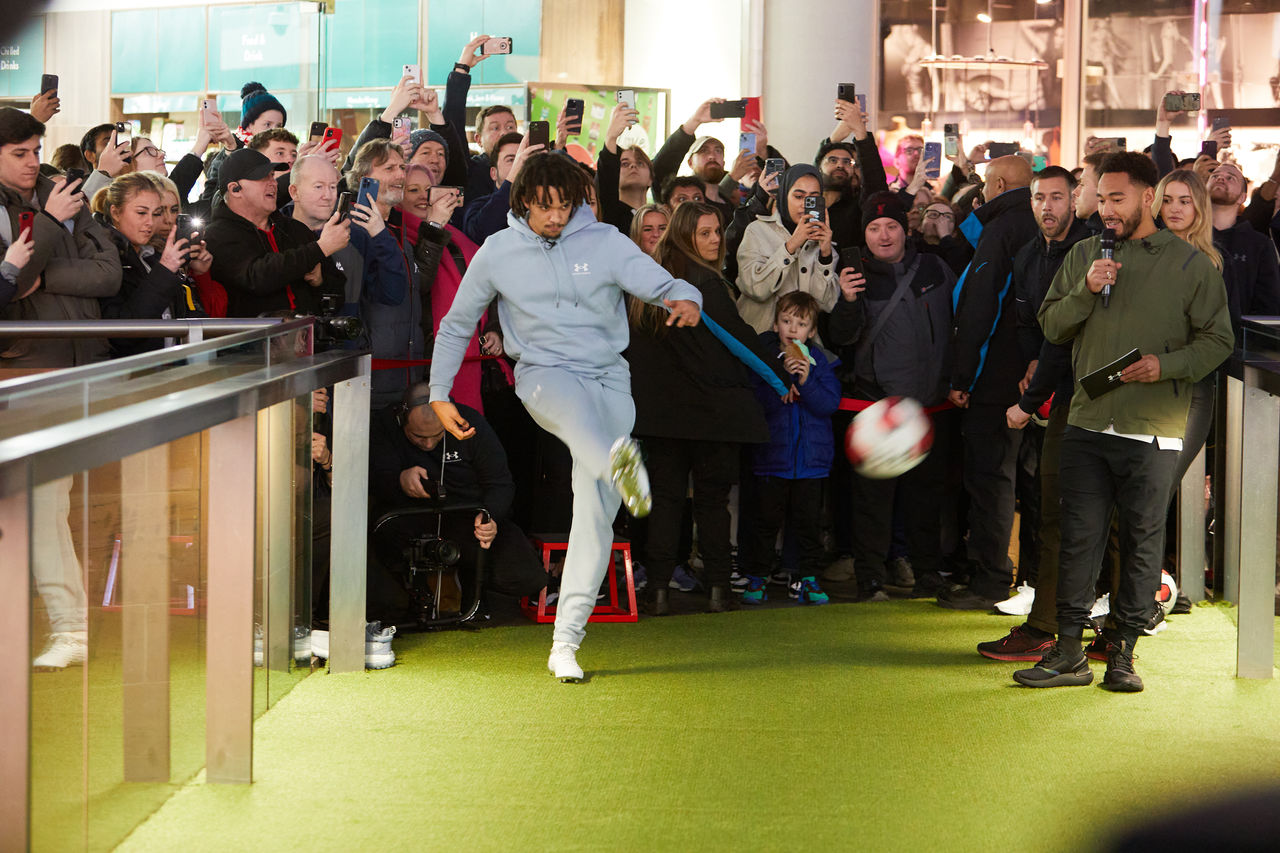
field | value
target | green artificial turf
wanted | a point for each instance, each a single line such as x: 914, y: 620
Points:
x: 846, y: 727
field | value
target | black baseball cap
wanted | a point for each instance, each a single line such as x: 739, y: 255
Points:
x: 245, y: 164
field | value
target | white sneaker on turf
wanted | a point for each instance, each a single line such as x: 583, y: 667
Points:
x: 64, y: 649
x: 1019, y: 604
x: 1101, y: 607
x: 563, y: 663
x: 629, y: 477
x: 377, y: 645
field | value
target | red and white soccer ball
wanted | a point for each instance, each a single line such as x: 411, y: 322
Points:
x: 1167, y: 594
x: 889, y: 438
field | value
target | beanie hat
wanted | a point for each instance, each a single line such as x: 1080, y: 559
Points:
x: 884, y: 205
x: 785, y: 183
x: 256, y: 100
x: 424, y: 134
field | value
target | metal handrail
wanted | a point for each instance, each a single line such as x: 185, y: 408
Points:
x: 134, y: 328
x: 233, y: 333
x: 87, y: 442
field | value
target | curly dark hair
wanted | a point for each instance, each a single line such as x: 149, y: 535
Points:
x: 1137, y: 166
x: 548, y: 171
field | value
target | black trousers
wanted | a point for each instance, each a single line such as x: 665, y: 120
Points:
x: 713, y: 465
x: 919, y: 495
x: 799, y: 503
x: 1098, y: 474
x: 1027, y: 493
x: 990, y: 462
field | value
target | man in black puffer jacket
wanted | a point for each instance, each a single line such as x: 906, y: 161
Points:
x: 899, y: 321
x: 985, y: 373
x: 265, y: 260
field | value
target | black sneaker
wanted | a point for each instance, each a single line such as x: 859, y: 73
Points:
x: 966, y: 599
x: 1181, y: 605
x: 1100, y: 648
x: 1120, y: 677
x: 1056, y: 670
x: 1020, y: 643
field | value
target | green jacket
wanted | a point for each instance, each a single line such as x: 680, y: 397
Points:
x: 1169, y: 301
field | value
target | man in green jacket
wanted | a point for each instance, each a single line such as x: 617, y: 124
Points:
x: 1164, y: 298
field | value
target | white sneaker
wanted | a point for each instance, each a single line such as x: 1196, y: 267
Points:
x: 64, y: 649
x: 563, y: 663
x: 629, y: 477
x: 1019, y: 604
x: 377, y: 645
x: 1101, y: 607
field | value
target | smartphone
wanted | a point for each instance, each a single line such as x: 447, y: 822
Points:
x: 48, y: 83
x: 1001, y: 149
x: 334, y: 135
x: 501, y: 44
x: 574, y: 108
x: 1191, y: 102
x: 539, y: 134
x: 951, y: 140
x: 729, y: 109
x: 185, y: 227
x: 344, y: 205
x: 862, y: 103
x: 124, y: 132
x: 774, y: 165
x: 74, y: 175
x: 747, y: 142
x: 932, y: 159
x: 433, y: 193
x: 1039, y: 162
x: 851, y: 258
x: 846, y: 92
x: 26, y: 221
x: 814, y: 207
x: 1119, y: 143
x: 1220, y: 122
x: 368, y: 193
x: 413, y: 72
x: 317, y: 131
x: 404, y: 123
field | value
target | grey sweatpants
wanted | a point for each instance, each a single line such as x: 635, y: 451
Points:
x: 54, y: 566
x: 587, y: 413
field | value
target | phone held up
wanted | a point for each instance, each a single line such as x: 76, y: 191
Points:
x: 368, y: 192
x: 574, y: 108
x: 498, y: 45
x: 933, y: 159
x: 814, y: 208
x: 48, y: 83
x: 729, y: 109
x: 773, y: 166
x: 951, y: 140
x: 539, y: 134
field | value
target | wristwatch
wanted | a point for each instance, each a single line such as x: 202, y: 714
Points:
x: 462, y: 66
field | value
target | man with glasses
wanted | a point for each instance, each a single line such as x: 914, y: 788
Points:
x: 938, y: 235
x: 850, y: 166
x: 905, y: 159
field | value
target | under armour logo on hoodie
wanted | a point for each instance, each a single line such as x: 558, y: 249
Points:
x: 581, y: 269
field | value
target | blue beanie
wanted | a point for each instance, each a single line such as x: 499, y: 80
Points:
x: 256, y: 100
x: 424, y: 134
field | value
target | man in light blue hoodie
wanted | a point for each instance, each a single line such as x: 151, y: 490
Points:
x: 559, y: 277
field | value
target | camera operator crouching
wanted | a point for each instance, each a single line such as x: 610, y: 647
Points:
x: 414, y: 463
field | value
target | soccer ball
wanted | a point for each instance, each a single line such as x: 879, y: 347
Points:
x: 889, y: 438
x: 1167, y: 594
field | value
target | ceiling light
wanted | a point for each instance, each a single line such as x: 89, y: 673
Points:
x: 984, y: 17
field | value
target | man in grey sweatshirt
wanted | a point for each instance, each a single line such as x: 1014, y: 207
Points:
x: 559, y: 277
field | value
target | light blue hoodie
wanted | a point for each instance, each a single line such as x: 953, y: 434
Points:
x: 560, y: 303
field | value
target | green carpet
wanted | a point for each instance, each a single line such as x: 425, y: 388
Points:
x: 849, y: 727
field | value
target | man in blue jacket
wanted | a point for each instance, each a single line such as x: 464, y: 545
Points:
x: 559, y: 277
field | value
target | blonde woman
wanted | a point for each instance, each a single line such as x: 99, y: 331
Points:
x: 1182, y: 203
x: 648, y: 225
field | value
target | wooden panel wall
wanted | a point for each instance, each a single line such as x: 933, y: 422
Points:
x: 582, y: 41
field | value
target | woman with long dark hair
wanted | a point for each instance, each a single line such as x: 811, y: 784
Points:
x: 694, y: 404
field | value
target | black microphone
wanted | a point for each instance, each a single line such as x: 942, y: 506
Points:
x: 1108, y: 249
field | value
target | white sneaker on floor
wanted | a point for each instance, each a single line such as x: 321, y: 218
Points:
x: 1101, y: 607
x: 629, y: 477
x: 64, y: 649
x: 377, y: 645
x: 563, y: 663
x: 1019, y: 604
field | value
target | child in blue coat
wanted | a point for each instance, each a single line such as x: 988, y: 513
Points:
x: 790, y: 469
